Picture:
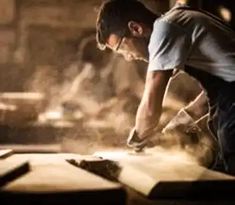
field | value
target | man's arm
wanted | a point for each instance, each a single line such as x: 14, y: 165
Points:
x: 188, y: 116
x: 150, y: 108
x: 198, y: 107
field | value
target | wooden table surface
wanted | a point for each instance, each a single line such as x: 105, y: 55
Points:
x: 156, y: 174
x: 53, y: 180
x: 159, y: 173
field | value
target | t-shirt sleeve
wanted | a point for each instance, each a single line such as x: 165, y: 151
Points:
x: 169, y: 46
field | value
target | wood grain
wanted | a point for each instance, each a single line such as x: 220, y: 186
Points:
x: 161, y: 174
x: 54, y: 181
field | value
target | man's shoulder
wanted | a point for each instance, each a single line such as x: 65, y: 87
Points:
x: 182, y: 17
x: 174, y: 13
x: 170, y: 21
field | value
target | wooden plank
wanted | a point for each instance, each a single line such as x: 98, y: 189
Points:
x: 10, y: 171
x: 33, y: 148
x: 162, y: 174
x: 5, y: 153
x: 53, y: 180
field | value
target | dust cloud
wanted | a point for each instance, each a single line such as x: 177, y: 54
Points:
x: 97, y: 96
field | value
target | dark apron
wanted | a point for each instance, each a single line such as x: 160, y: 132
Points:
x: 221, y: 100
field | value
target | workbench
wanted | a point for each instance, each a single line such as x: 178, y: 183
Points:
x: 142, y: 179
x: 51, y: 180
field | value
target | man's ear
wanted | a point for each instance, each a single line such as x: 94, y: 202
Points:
x: 135, y: 28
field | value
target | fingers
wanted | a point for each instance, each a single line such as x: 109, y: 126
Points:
x: 135, y: 142
x: 138, y: 144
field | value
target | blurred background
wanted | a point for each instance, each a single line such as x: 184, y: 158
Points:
x: 56, y: 87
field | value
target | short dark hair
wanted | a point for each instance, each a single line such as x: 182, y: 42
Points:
x: 114, y: 16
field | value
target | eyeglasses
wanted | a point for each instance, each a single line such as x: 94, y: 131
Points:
x: 119, y: 43
x: 124, y: 34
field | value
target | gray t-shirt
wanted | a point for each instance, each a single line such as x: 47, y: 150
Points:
x: 188, y: 37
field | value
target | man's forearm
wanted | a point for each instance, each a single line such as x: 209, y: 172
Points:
x: 147, y: 117
x: 198, y: 107
x: 150, y: 108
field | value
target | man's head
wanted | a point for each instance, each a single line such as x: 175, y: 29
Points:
x: 125, y: 27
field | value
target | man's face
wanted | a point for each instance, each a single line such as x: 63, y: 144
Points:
x: 133, y: 46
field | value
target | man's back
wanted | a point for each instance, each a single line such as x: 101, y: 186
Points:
x: 195, y: 39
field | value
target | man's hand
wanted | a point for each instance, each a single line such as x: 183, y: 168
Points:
x: 188, y: 119
x: 138, y: 144
x: 135, y: 142
x: 182, y: 122
x: 185, y: 126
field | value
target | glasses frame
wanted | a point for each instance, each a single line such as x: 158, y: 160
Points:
x: 125, y: 33
x: 119, y: 43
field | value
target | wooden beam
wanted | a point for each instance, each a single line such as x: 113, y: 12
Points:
x: 5, y: 153
x: 10, y: 171
x: 54, y: 181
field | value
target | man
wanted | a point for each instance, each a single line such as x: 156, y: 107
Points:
x: 183, y: 38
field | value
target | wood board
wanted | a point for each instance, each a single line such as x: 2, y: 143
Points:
x: 53, y: 181
x: 160, y: 174
x: 33, y: 148
x: 4, y: 153
x: 10, y: 171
